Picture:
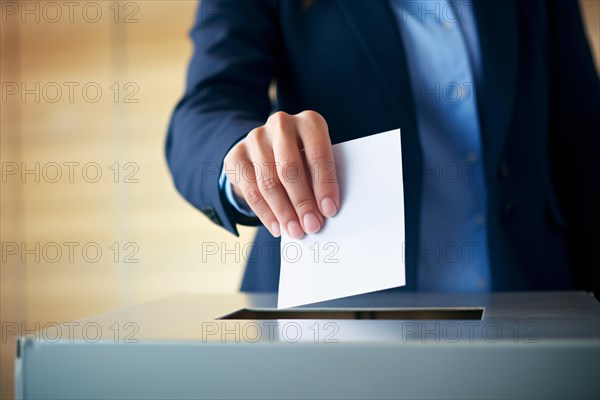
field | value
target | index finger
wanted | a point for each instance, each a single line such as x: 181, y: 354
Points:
x: 314, y: 135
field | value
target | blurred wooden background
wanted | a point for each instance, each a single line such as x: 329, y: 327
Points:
x: 142, y: 46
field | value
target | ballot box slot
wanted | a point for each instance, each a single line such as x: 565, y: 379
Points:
x: 355, y: 314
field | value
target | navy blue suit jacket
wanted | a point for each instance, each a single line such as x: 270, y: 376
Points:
x: 539, y: 100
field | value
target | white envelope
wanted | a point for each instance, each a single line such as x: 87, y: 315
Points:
x: 360, y: 250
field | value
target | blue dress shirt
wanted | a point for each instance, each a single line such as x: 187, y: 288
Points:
x: 442, y: 50
x: 441, y: 44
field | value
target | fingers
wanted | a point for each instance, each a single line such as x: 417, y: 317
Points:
x: 248, y: 186
x: 295, y: 180
x: 270, y: 184
x: 285, y: 186
x: 314, y: 134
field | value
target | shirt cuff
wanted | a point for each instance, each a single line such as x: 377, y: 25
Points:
x: 239, y: 204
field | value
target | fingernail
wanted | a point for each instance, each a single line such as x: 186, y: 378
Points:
x: 311, y: 223
x: 275, y: 231
x: 295, y: 230
x: 329, y: 207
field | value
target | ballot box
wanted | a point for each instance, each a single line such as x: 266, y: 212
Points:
x: 381, y: 345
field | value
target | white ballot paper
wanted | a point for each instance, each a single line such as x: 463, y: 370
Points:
x: 360, y: 249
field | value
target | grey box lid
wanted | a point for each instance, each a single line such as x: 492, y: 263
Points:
x: 527, y: 345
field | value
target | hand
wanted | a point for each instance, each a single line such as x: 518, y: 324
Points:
x: 286, y: 173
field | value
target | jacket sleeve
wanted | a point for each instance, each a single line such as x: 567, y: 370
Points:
x: 236, y: 56
x: 575, y: 138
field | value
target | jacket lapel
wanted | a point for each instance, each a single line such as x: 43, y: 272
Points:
x: 497, y: 26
